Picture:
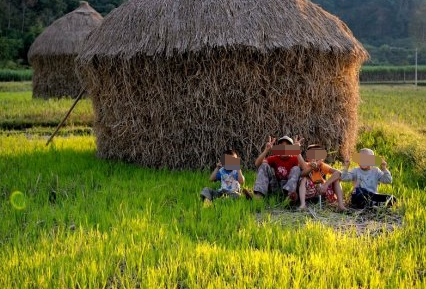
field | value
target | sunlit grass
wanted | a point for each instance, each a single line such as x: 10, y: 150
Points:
x: 15, y: 86
x: 401, y: 104
x: 18, y: 110
x: 117, y: 225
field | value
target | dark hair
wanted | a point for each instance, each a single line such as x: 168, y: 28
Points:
x: 284, y: 140
x: 230, y: 152
x: 314, y: 146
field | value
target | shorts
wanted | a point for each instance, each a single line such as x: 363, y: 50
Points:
x: 312, y: 190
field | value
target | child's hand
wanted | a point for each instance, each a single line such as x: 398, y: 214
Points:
x: 346, y: 164
x: 383, y: 165
x: 270, y: 144
x: 219, y: 165
x: 314, y: 166
x: 323, y: 188
x: 298, y: 141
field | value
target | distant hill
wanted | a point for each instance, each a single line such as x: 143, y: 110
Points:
x: 378, y: 22
x: 389, y: 29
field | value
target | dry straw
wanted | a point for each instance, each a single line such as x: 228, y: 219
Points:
x: 175, y: 82
x: 372, y: 221
x: 53, y: 53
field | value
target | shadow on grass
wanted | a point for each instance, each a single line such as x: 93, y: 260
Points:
x: 88, y: 191
x: 68, y: 188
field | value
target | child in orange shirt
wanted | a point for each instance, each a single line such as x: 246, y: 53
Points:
x: 313, y: 181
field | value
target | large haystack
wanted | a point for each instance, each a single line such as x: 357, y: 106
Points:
x: 53, y: 53
x: 174, y: 82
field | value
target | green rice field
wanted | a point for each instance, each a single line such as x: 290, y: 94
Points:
x: 71, y: 220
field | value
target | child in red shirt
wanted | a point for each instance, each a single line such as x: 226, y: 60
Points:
x: 279, y: 172
x: 282, y: 165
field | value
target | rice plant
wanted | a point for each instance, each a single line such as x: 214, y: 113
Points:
x: 77, y: 221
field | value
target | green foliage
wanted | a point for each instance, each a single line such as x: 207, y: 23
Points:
x: 393, y: 123
x: 15, y: 75
x: 9, y: 49
x: 378, y: 22
x: 392, y: 69
x: 390, y: 29
x: 386, y: 55
x: 392, y: 73
x: 22, y: 21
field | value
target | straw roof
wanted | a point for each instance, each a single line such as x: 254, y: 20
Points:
x: 65, y: 35
x: 170, y: 27
x: 175, y: 82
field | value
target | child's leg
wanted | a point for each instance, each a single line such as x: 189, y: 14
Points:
x: 339, y: 192
x: 293, y: 178
x: 360, y: 198
x: 302, y: 193
x: 265, y: 180
x: 209, y: 194
x: 382, y: 198
x: 232, y: 194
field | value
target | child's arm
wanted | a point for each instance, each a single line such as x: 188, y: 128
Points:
x: 302, y: 163
x: 306, y: 171
x: 261, y: 158
x: 385, y: 177
x: 298, y: 141
x: 335, y: 175
x: 263, y: 155
x: 345, y: 175
x: 214, y: 173
x: 241, y: 178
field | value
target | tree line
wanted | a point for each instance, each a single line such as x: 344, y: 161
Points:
x: 389, y: 29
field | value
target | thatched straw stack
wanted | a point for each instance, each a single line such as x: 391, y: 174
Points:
x: 53, y: 53
x: 174, y: 82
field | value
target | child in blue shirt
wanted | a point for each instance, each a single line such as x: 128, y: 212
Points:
x: 229, y: 175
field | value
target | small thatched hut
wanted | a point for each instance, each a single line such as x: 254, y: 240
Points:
x: 174, y: 82
x: 53, y: 53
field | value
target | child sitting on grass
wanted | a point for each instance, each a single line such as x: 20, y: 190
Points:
x: 280, y: 172
x: 366, y: 179
x: 229, y: 175
x: 313, y: 183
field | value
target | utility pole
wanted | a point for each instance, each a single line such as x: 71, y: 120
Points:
x: 24, y: 7
x: 9, y: 16
x: 415, y: 73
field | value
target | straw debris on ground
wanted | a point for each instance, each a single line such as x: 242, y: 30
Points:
x: 373, y: 221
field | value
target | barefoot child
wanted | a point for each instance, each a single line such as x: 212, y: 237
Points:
x: 313, y: 182
x: 366, y: 179
x: 279, y: 172
x: 229, y: 175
